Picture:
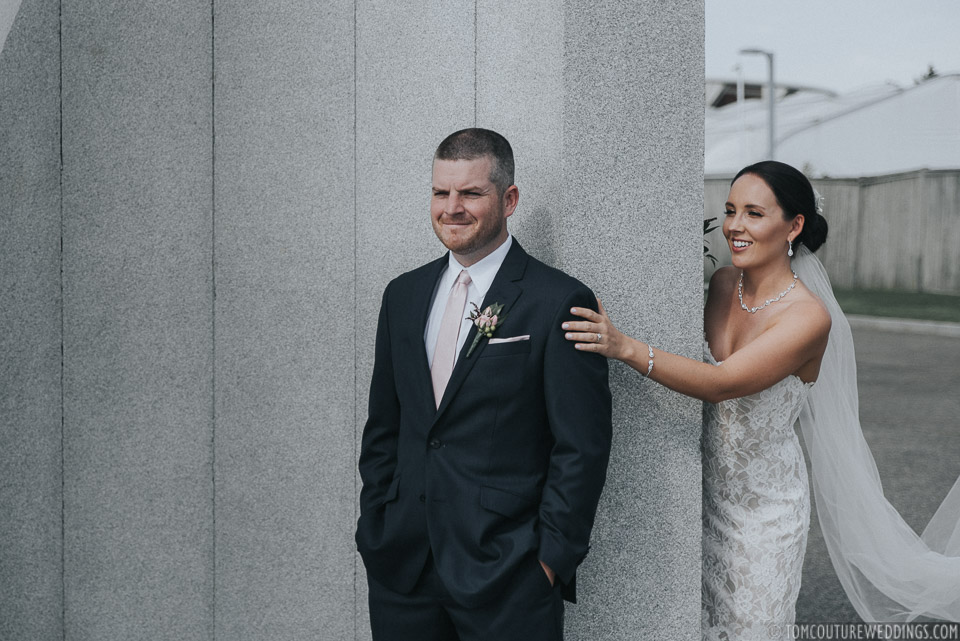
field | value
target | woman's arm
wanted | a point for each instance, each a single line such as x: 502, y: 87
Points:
x: 781, y: 350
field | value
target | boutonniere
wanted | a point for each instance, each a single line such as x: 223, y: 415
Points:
x: 486, y: 322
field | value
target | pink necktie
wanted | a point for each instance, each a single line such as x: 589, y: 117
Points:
x: 445, y: 353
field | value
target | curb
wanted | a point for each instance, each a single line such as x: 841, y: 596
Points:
x: 930, y: 328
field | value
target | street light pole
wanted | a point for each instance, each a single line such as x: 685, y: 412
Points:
x: 741, y: 118
x: 771, y: 95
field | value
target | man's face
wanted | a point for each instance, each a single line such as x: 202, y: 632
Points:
x: 468, y: 215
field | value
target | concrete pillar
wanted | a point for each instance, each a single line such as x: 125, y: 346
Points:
x: 239, y: 182
x: 138, y: 512
x: 31, y: 604
x: 285, y: 298
x: 604, y: 110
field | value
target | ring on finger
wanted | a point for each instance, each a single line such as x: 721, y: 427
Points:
x: 599, y: 336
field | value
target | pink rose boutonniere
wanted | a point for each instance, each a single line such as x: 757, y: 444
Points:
x: 487, y: 322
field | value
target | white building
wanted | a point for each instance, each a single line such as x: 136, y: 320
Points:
x: 877, y: 130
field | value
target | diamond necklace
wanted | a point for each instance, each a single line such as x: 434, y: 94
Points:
x: 754, y: 310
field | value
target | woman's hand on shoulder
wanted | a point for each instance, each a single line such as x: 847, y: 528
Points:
x: 596, y: 333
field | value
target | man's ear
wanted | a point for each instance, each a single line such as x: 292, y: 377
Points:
x: 510, y: 199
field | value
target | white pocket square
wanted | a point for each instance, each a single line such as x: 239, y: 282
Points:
x: 512, y: 339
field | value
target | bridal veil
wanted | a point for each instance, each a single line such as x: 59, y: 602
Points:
x: 888, y: 572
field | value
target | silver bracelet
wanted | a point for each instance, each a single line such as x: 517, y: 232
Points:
x: 650, y: 362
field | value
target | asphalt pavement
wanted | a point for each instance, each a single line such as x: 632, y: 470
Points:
x: 909, y: 377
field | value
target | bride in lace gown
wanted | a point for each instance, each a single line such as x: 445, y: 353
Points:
x: 756, y: 511
x: 767, y: 334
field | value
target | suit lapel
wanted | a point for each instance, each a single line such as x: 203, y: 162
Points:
x: 504, y: 290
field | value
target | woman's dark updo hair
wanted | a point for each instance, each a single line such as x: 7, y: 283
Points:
x: 794, y: 194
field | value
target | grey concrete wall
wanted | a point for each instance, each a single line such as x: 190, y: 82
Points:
x: 30, y: 410
x: 284, y: 352
x: 600, y: 123
x: 632, y: 150
x: 240, y: 180
x: 403, y: 110
x: 137, y: 329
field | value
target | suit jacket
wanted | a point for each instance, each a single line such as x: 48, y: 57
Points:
x: 510, y: 467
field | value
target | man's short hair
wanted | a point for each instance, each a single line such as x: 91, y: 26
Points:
x: 473, y: 143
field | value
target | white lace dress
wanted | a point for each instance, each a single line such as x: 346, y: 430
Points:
x: 756, y: 513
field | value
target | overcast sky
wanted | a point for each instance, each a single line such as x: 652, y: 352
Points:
x: 834, y: 44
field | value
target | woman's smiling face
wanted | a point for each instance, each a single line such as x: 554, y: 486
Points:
x: 754, y: 224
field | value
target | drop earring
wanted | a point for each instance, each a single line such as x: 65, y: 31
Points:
x: 790, y: 251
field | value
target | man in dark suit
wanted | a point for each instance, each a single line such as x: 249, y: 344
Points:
x: 486, y: 446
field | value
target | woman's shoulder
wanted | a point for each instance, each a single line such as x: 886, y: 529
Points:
x: 808, y: 310
x: 722, y: 284
x: 812, y: 303
x: 723, y: 281
x: 725, y: 277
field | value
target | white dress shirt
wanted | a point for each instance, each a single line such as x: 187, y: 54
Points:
x: 482, y: 274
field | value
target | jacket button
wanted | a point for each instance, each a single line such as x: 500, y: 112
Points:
x: 423, y: 499
x: 435, y: 444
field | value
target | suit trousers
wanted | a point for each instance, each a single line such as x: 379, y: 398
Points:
x: 530, y: 609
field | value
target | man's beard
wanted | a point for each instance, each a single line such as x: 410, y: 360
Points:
x: 483, y: 237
